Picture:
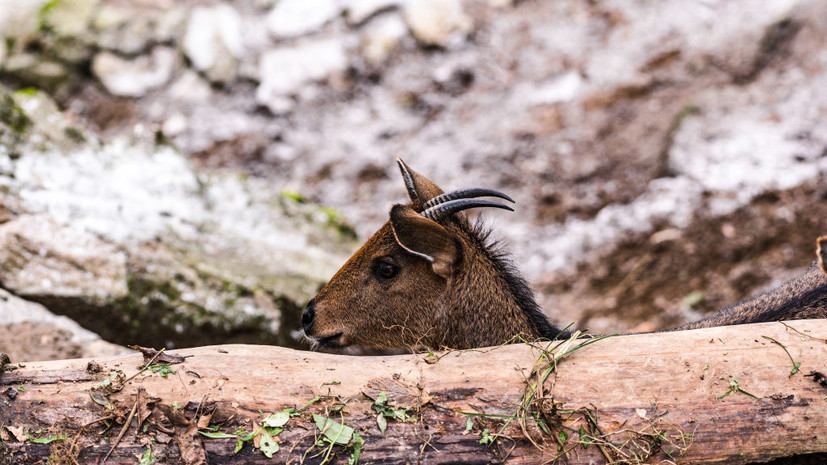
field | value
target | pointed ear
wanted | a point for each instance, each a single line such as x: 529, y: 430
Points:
x: 425, y: 238
x: 420, y: 188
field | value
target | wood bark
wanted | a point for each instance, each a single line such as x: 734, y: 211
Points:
x: 717, y: 395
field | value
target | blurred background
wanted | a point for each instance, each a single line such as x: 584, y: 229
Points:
x: 180, y: 173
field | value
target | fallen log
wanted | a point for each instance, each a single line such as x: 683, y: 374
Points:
x: 736, y: 394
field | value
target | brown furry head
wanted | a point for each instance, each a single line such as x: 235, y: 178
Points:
x: 427, y: 278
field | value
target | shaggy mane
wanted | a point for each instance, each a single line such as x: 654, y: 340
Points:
x: 496, y: 252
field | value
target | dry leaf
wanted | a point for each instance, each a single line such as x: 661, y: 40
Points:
x: 399, y: 394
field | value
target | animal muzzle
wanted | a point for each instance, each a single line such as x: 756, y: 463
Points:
x: 308, y: 316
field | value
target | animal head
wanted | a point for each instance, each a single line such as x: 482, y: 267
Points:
x: 428, y: 278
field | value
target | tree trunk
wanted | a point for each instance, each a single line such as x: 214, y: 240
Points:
x: 736, y: 394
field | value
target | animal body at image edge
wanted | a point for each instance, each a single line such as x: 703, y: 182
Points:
x: 430, y: 278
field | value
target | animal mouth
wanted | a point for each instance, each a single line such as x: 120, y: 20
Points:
x: 330, y: 341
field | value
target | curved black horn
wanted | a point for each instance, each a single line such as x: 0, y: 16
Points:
x: 442, y: 210
x: 465, y: 194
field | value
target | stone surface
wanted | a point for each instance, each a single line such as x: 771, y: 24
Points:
x: 436, y: 22
x: 642, y: 140
x: 213, y: 41
x: 40, y: 257
x: 30, y: 332
x: 380, y: 38
x: 19, y: 20
x: 285, y: 70
x: 358, y: 11
x: 130, y: 230
x: 290, y: 18
x: 134, y: 78
x: 69, y: 17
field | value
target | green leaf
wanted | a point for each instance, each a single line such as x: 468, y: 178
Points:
x: 381, y: 399
x: 311, y: 402
x: 469, y: 424
x: 100, y: 400
x: 107, y: 381
x: 147, y: 458
x: 382, y: 422
x: 337, y: 433
x: 794, y: 370
x: 240, y: 443
x: 217, y: 435
x: 400, y: 414
x: 563, y: 436
x: 48, y: 439
x: 357, y: 449
x: 486, y: 437
x: 542, y: 425
x: 162, y: 369
x: 584, y: 439
x: 268, y: 445
x: 277, y: 419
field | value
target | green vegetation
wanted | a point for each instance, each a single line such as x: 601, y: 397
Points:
x: 796, y: 365
x: 162, y: 369
x: 147, y: 458
x: 734, y: 387
x: 385, y: 411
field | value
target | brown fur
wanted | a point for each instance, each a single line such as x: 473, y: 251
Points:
x: 803, y: 297
x: 452, y: 288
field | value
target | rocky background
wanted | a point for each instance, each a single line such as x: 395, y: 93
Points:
x: 184, y: 173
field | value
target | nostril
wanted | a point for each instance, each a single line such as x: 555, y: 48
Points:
x: 307, y: 317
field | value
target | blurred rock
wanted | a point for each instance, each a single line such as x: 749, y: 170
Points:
x: 290, y: 18
x: 213, y: 41
x: 611, y: 120
x: 129, y: 240
x: 134, y: 78
x: 358, y: 11
x: 34, y: 70
x: 39, y: 257
x: 435, y: 22
x: 20, y: 21
x: 189, y: 87
x: 68, y: 17
x: 30, y: 333
x: 46, y: 119
x: 130, y: 29
x: 381, y: 36
x: 284, y: 71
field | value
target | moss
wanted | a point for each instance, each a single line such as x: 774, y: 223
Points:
x: 12, y: 116
x: 293, y: 196
x: 43, y: 14
x: 74, y: 134
x: 336, y: 221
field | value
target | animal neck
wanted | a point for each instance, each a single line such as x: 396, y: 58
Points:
x: 493, y: 303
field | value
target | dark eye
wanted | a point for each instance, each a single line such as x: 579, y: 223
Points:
x: 384, y: 270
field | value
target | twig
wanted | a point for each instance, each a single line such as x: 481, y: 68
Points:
x: 796, y: 365
x: 145, y: 367
x: 125, y: 427
x: 803, y: 334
